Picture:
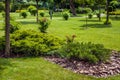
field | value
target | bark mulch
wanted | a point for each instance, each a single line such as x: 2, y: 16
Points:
x: 111, y: 67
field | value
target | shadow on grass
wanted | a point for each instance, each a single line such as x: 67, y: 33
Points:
x: 116, y: 18
x: 28, y: 22
x: 90, y: 20
x: 3, y: 64
x: 97, y: 25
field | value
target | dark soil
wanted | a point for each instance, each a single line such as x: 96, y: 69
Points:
x: 111, y: 67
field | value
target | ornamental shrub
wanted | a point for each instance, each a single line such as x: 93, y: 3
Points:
x: 14, y: 26
x: 33, y: 11
x: 66, y: 15
x: 23, y: 13
x: 90, y: 15
x: 92, y: 53
x: 44, y: 23
x: 30, y: 8
x: 32, y: 43
x: 42, y: 13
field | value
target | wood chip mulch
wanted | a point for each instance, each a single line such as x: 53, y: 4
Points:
x: 111, y: 67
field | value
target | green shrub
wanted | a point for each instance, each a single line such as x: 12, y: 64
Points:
x: 23, y: 13
x: 89, y: 52
x: 42, y: 14
x: 66, y: 15
x: 83, y: 10
x: 115, y: 13
x: 14, y: 26
x: 30, y: 8
x: 110, y: 8
x: 44, y: 23
x: 33, y: 11
x: 2, y: 6
x: 3, y: 14
x: 18, y: 11
x: 114, y: 5
x: 33, y: 43
x: 90, y: 15
x: 14, y: 7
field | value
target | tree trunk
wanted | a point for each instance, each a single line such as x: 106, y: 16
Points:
x: 7, y: 27
x: 72, y: 7
x: 99, y: 12
x: 37, y: 10
x: 107, y: 17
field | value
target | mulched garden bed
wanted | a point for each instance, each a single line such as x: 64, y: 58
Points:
x: 111, y: 67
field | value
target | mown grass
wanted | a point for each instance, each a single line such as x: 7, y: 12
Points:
x: 35, y: 69
x: 96, y: 31
x: 38, y: 69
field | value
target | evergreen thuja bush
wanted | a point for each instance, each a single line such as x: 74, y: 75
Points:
x: 23, y: 13
x: 44, y: 24
x: 66, y: 15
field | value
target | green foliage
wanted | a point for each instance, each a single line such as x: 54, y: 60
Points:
x: 44, y: 23
x: 15, y: 7
x: 89, y: 52
x: 114, y: 4
x: 2, y: 6
x: 31, y: 9
x: 97, y: 13
x: 83, y: 10
x: 3, y: 14
x: 23, y: 13
x: 14, y: 26
x: 114, y: 13
x: 33, y: 43
x: 66, y: 15
x: 110, y: 8
x: 42, y: 13
x: 90, y: 15
x: 70, y: 39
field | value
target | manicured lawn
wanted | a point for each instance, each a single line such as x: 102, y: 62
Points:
x: 38, y: 69
x: 95, y: 33
x: 35, y: 69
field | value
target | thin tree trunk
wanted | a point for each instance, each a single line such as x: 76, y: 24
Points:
x: 99, y: 12
x: 107, y: 17
x: 7, y: 27
x: 72, y: 7
x: 37, y: 10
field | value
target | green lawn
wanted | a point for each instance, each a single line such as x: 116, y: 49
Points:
x: 38, y: 69
x: 95, y: 33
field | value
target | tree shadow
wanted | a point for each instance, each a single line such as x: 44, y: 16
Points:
x: 97, y: 25
x: 28, y: 22
x: 116, y: 18
x: 90, y: 20
x: 3, y: 64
